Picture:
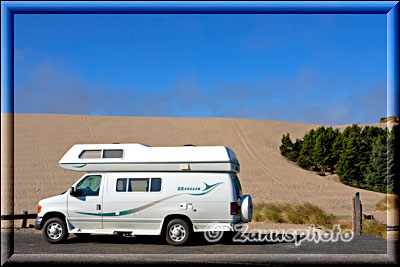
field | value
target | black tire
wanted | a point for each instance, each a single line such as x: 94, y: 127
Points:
x: 55, y: 230
x: 177, y: 232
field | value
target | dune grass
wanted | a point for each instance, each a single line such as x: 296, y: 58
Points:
x: 389, y: 202
x: 310, y: 214
x: 292, y: 213
x: 374, y: 228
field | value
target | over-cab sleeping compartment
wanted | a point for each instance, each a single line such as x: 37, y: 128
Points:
x: 138, y: 157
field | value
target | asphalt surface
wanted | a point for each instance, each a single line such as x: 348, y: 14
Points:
x: 34, y: 243
x: 33, y: 247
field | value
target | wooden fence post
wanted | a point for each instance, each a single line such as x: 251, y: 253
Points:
x: 361, y: 218
x: 353, y: 218
x: 357, y: 214
x: 24, y: 221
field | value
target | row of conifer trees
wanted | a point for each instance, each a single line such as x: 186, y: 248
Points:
x: 362, y: 157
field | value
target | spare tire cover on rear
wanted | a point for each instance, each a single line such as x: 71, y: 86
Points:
x: 246, y: 208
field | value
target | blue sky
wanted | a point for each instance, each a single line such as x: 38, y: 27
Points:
x: 325, y: 69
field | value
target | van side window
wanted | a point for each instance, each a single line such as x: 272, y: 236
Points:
x: 121, y: 185
x: 138, y: 185
x: 238, y: 187
x: 112, y: 153
x: 90, y: 185
x: 155, y: 185
x: 90, y: 154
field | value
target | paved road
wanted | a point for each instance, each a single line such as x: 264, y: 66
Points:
x: 30, y: 247
x: 33, y: 243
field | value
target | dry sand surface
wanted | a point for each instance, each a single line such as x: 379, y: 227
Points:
x: 41, y: 140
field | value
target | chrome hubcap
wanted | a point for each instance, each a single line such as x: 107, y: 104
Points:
x: 177, y: 232
x: 54, y: 230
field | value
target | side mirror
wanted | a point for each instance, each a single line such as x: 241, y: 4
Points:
x: 76, y: 192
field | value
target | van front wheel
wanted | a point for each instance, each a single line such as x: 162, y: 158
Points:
x: 55, y: 230
x: 177, y: 232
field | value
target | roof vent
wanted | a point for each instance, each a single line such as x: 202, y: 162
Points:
x: 188, y: 145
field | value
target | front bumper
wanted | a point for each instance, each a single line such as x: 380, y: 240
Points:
x: 38, y: 224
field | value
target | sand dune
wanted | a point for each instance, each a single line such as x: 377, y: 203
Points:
x: 41, y: 140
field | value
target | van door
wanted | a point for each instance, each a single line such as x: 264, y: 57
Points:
x: 85, y: 209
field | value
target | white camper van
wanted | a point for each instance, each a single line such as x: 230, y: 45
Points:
x: 134, y: 189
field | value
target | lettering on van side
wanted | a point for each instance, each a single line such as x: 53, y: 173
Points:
x: 197, y: 188
x: 183, y: 188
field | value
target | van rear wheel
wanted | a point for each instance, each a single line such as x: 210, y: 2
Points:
x: 177, y: 232
x: 55, y: 230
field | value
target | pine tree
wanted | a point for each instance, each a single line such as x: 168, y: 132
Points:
x: 337, y: 149
x: 377, y: 170
x: 363, y: 157
x: 370, y: 133
x: 393, y: 145
x: 348, y: 167
x: 321, y: 153
x: 316, y: 133
x: 287, y: 145
x: 307, y: 150
x: 294, y: 154
x: 330, y: 136
x: 368, y: 137
x: 351, y: 129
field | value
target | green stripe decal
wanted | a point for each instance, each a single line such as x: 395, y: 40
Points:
x: 81, y: 166
x: 208, y: 189
x: 124, y: 221
x: 127, y: 212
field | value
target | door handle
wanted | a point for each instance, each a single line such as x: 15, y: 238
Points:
x: 98, y: 207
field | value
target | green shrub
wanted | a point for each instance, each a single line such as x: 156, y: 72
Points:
x: 292, y: 213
